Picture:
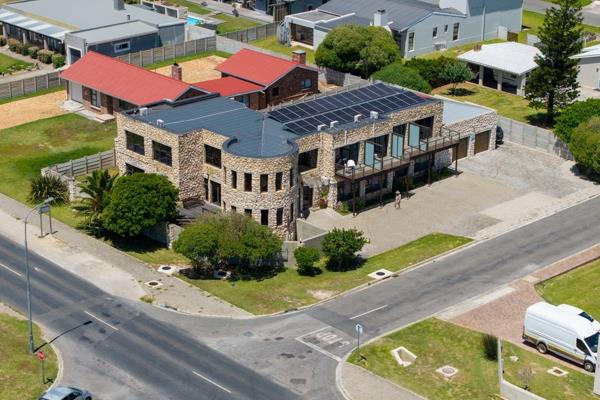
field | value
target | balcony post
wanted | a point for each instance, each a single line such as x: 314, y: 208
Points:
x: 353, y: 195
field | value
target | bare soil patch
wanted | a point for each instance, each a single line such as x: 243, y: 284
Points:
x: 31, y: 109
x: 198, y: 70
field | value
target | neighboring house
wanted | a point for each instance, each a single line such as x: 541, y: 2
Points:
x: 344, y: 147
x: 290, y: 7
x: 502, y: 66
x: 107, y: 85
x: 418, y: 27
x: 74, y: 27
x: 589, y: 67
x: 260, y: 80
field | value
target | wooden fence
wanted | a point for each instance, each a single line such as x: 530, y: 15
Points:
x: 169, y: 52
x: 84, y: 165
x: 30, y: 85
x: 254, y: 33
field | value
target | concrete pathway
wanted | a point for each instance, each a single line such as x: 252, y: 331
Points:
x: 226, y: 8
x: 591, y: 13
x: 108, y: 268
x: 360, y: 384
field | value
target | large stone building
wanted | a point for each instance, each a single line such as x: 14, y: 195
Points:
x: 357, y: 144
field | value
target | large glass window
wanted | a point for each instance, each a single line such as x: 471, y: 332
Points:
x: 308, y: 160
x: 161, y: 153
x: 346, y: 153
x: 212, y: 156
x: 135, y: 142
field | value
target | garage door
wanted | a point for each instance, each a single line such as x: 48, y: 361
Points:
x: 482, y: 142
x: 75, y: 92
x: 461, y: 151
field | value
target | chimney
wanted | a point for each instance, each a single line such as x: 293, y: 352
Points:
x: 128, y: 17
x: 119, y: 5
x: 176, y: 72
x: 299, y: 57
x: 380, y: 18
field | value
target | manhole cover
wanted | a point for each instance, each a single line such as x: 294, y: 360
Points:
x: 380, y: 274
x: 557, y: 372
x: 220, y: 274
x: 447, y: 371
x: 154, y: 284
x: 167, y: 269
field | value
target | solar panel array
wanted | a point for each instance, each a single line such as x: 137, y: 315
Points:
x: 304, y: 118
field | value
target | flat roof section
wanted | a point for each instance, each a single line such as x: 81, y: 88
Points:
x: 109, y: 33
x: 34, y: 25
x: 514, y: 58
x: 456, y: 111
x: 315, y: 16
x: 85, y: 14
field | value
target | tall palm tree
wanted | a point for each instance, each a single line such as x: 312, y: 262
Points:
x: 96, y: 189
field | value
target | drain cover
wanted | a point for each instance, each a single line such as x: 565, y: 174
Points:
x: 154, y: 284
x: 167, y: 269
x: 447, y: 371
x: 380, y: 274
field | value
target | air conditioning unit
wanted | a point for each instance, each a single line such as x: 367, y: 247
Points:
x: 143, y: 110
x: 357, y: 117
x: 160, y: 123
x: 333, y: 124
x: 374, y: 115
x: 321, y: 127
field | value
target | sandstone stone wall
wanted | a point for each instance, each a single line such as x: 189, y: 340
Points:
x: 473, y: 126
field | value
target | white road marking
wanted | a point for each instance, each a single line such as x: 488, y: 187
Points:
x: 10, y: 269
x: 320, y: 350
x: 100, y: 320
x: 213, y: 382
x: 369, y: 312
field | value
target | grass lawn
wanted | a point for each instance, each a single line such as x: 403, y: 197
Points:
x: 232, y: 23
x: 290, y: 290
x: 437, y: 343
x: 192, y: 7
x: 532, y: 21
x: 508, y: 105
x: 19, y: 371
x: 188, y: 58
x: 8, y: 63
x: 272, y: 44
x: 578, y: 287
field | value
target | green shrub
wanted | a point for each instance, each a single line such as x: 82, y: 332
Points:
x: 341, y: 246
x: 456, y: 73
x: 585, y: 145
x: 13, y: 45
x: 24, y: 49
x: 33, y: 52
x: 490, y: 347
x: 306, y: 257
x: 398, y: 74
x: 45, y: 56
x: 43, y: 187
x: 2, y: 41
x: 138, y: 202
x: 58, y: 60
x: 574, y: 115
x: 431, y: 69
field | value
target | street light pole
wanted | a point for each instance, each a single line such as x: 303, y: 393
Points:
x: 29, y: 318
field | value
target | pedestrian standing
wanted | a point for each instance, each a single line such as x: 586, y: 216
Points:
x: 398, y: 199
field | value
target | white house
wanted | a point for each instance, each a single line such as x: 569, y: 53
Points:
x: 589, y: 67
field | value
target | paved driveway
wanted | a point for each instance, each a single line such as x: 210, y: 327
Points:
x: 497, y: 190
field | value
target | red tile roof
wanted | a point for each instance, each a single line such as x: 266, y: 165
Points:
x: 228, y: 86
x: 125, y: 81
x: 257, y: 67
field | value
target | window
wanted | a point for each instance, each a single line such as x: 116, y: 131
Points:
x: 264, y: 183
x: 435, y: 32
x: 264, y: 217
x: 455, y: 31
x: 582, y: 347
x: 278, y: 180
x: 122, y: 46
x: 95, y: 98
x: 131, y: 169
x: 445, y: 28
x: 161, y: 153
x: 279, y: 216
x: 308, y: 160
x: 123, y: 105
x: 135, y: 142
x: 291, y: 212
x: 292, y: 177
x: 306, y: 83
x: 234, y: 179
x: 215, y: 192
x: 275, y: 92
x: 247, y: 182
x: 212, y: 156
x: 248, y: 212
x: 411, y: 41
x: 233, y: 209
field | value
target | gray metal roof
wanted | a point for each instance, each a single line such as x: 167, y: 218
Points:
x: 85, y: 14
x: 315, y: 16
x: 115, y: 32
x: 31, y: 24
x: 401, y: 13
x: 349, y: 19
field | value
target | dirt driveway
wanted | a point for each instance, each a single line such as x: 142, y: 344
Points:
x: 198, y: 70
x: 31, y: 109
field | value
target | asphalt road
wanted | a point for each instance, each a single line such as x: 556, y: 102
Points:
x: 136, y: 351
x: 540, y: 6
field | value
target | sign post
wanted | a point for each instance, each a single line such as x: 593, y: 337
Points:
x: 42, y: 357
x: 45, y: 209
x: 597, y: 373
x: 359, y: 331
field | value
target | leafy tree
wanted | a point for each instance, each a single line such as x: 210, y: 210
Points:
x: 456, y: 73
x: 199, y: 242
x: 431, y: 68
x: 575, y: 114
x: 43, y: 187
x: 341, y: 245
x: 398, y: 74
x: 97, y: 188
x: 357, y: 49
x: 139, y: 201
x: 553, y: 85
x: 306, y: 257
x: 585, y: 145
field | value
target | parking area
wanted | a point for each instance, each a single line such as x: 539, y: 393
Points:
x: 496, y: 191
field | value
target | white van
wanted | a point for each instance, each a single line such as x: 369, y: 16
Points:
x: 562, y: 332
x: 578, y: 311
